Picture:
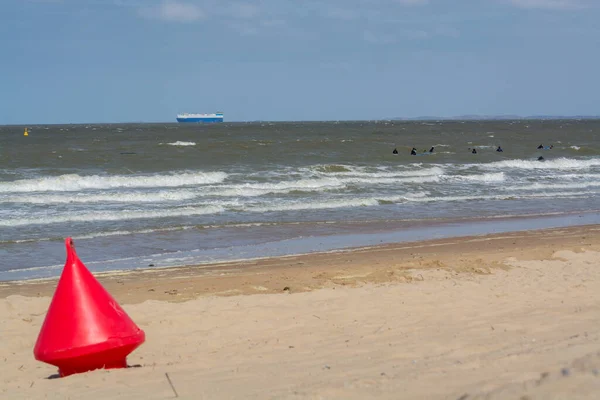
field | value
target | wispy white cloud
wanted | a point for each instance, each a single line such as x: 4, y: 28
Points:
x: 129, y: 3
x: 550, y: 4
x: 340, y: 66
x: 244, y: 29
x: 351, y: 10
x: 346, y: 14
x: 413, y: 2
x: 194, y: 10
x: 46, y: 1
x: 269, y: 17
x: 447, y: 31
x: 378, y: 38
x: 173, y: 10
x: 243, y: 10
x: 272, y: 22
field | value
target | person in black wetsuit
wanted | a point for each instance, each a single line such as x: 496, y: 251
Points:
x: 474, y: 151
x: 431, y: 149
x: 540, y: 158
x: 413, y: 152
x: 541, y: 146
x: 395, y: 151
x: 499, y: 149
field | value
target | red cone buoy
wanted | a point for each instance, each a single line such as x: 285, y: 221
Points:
x: 85, y: 328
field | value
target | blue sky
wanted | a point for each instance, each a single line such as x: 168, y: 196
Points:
x: 86, y: 61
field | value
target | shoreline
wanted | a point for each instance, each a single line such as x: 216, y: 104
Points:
x: 388, y: 262
x: 290, y: 240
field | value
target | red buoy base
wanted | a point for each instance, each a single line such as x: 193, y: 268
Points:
x: 105, y: 360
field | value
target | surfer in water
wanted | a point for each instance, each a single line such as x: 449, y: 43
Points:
x: 540, y: 158
x: 474, y: 151
x: 541, y: 146
x: 431, y: 149
x: 413, y: 152
x: 395, y: 151
x: 499, y: 149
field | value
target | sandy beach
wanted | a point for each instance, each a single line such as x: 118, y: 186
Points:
x: 507, y: 316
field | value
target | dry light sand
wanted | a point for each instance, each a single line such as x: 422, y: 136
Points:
x: 511, y: 316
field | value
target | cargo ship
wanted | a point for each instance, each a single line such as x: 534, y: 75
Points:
x: 202, y: 118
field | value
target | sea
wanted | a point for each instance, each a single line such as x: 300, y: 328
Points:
x: 135, y: 196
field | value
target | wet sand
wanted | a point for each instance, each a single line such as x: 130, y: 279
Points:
x: 513, y: 315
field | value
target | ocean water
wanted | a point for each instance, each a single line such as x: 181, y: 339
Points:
x: 140, y: 195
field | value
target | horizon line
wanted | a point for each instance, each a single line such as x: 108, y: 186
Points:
x: 474, y: 117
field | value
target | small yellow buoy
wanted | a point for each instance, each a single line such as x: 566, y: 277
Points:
x: 26, y: 133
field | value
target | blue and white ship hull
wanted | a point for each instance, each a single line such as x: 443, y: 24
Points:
x: 200, y: 118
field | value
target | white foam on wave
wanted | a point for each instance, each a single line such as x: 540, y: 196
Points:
x: 575, y: 147
x: 180, y: 143
x: 355, y: 171
x: 32, y: 269
x: 393, y: 180
x: 584, y: 176
x: 303, y: 205
x: 420, y: 197
x: 312, y: 185
x: 428, y: 199
x: 93, y: 235
x: 507, y: 196
x: 557, y: 194
x: 259, y: 189
x: 325, y: 181
x: 98, y: 216
x: 296, y: 205
x: 69, y: 197
x: 74, y: 182
x: 484, y: 178
x: 553, y: 186
x: 559, y: 163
